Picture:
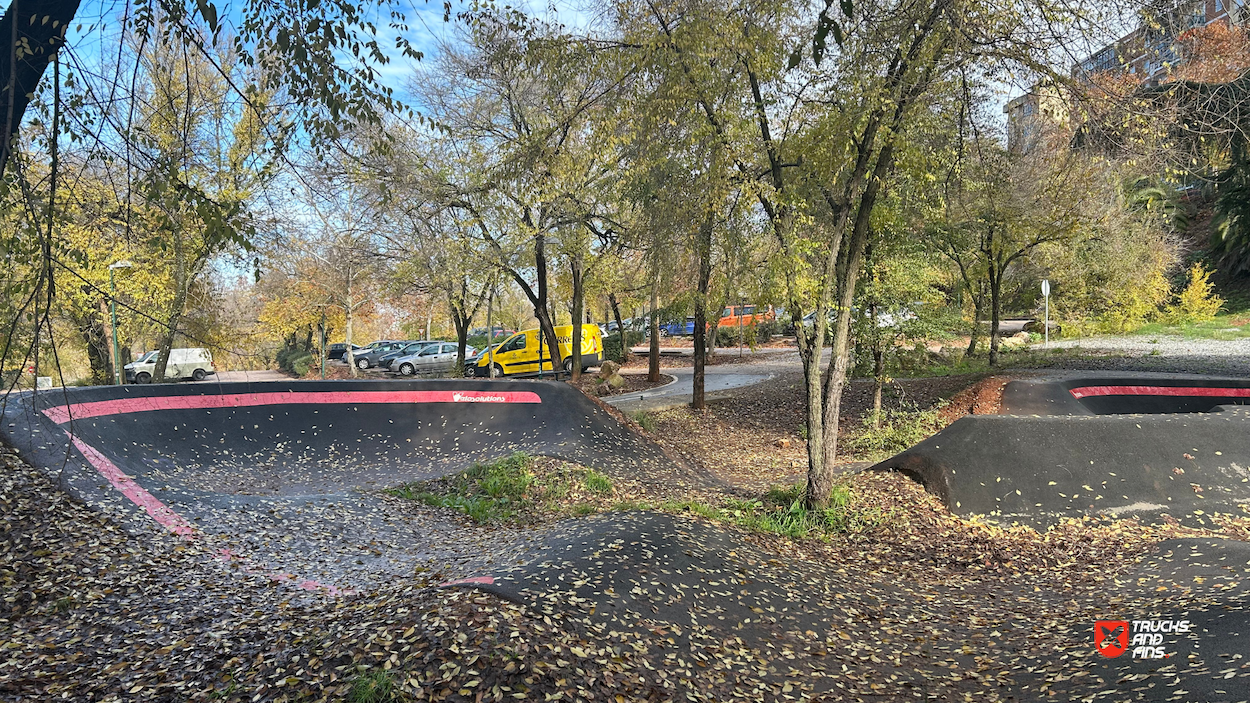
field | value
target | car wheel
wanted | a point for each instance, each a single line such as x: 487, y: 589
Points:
x: 143, y: 377
x: 499, y: 371
x: 664, y: 332
x: 362, y: 364
x: 568, y: 366
x: 199, y: 374
x: 406, y: 369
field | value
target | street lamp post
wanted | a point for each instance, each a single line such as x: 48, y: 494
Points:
x: 117, y: 356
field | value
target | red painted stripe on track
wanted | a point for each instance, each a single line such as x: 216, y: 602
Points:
x: 1198, y: 391
x: 177, y: 524
x: 63, y: 413
x: 137, y: 494
x: 472, y: 581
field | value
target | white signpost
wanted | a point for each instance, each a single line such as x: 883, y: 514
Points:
x: 1046, y: 322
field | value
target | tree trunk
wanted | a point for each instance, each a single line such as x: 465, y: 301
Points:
x: 620, y: 328
x: 820, y: 487
x: 349, y: 309
x: 462, y: 323
x: 978, y: 309
x: 996, y: 285
x: 878, y: 367
x: 653, y: 362
x: 181, y: 283
x: 97, y: 334
x: 704, y: 249
x: 575, y: 347
x: 540, y: 308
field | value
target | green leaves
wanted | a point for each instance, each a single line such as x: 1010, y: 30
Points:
x: 825, y: 25
x: 209, y: 12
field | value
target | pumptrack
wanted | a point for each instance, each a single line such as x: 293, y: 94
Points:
x: 266, y: 472
x: 211, y: 461
x: 1145, y: 446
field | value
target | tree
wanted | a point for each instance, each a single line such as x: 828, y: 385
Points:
x: 515, y: 159
x: 824, y: 135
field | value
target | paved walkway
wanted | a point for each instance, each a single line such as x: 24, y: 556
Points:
x: 717, y: 383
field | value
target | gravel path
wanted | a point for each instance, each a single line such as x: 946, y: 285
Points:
x: 1163, y: 354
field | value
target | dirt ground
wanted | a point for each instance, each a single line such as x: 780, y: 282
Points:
x: 756, y: 439
x: 633, y: 383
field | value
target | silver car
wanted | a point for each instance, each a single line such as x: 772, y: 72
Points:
x: 432, y: 360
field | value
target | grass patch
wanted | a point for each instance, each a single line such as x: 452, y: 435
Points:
x: 597, y: 482
x: 645, y: 420
x: 898, y: 430
x: 779, y: 512
x: 373, y: 686
x: 1223, y: 327
x: 510, y: 490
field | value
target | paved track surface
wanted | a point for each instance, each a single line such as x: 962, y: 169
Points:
x: 287, y: 473
x: 718, y: 601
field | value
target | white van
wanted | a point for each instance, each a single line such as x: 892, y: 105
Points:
x: 194, y: 363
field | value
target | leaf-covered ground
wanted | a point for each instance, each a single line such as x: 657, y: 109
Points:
x: 917, y: 605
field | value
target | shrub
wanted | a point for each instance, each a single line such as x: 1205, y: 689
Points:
x: 301, y: 364
x: 294, y: 360
x: 1198, y: 302
x: 898, y: 430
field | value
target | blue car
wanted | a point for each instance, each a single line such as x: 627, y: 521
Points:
x: 678, y: 329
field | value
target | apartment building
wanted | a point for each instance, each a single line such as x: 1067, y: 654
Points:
x: 1147, y: 53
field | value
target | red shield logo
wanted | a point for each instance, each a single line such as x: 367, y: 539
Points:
x: 1111, y: 637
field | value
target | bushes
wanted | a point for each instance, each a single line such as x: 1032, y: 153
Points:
x: 752, y: 334
x: 612, y: 343
x: 1198, y: 302
x: 899, y: 430
x: 294, y: 360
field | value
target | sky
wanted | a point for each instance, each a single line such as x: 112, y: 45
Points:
x: 96, y: 29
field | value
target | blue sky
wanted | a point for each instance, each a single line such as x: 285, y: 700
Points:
x: 98, y: 21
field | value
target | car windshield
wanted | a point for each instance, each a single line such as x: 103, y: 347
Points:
x: 150, y: 356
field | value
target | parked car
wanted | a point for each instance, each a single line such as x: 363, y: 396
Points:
x: 747, y: 315
x: 339, y: 350
x: 386, y: 360
x: 368, y: 357
x: 195, y: 363
x: 675, y: 329
x: 497, y: 332
x: 520, y: 354
x: 471, y: 362
x: 435, y: 358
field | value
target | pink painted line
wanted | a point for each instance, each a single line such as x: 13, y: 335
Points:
x: 174, y: 522
x: 1093, y: 391
x: 474, y: 581
x: 137, y: 494
x: 63, y: 413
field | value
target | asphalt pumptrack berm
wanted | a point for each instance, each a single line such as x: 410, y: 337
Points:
x: 234, y: 542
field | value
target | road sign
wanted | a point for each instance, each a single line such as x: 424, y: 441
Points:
x: 1046, y: 321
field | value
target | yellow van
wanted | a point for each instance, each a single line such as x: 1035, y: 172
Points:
x: 518, y: 354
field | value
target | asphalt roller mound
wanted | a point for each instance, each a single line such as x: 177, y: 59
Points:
x: 281, y: 471
x: 1127, y: 446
